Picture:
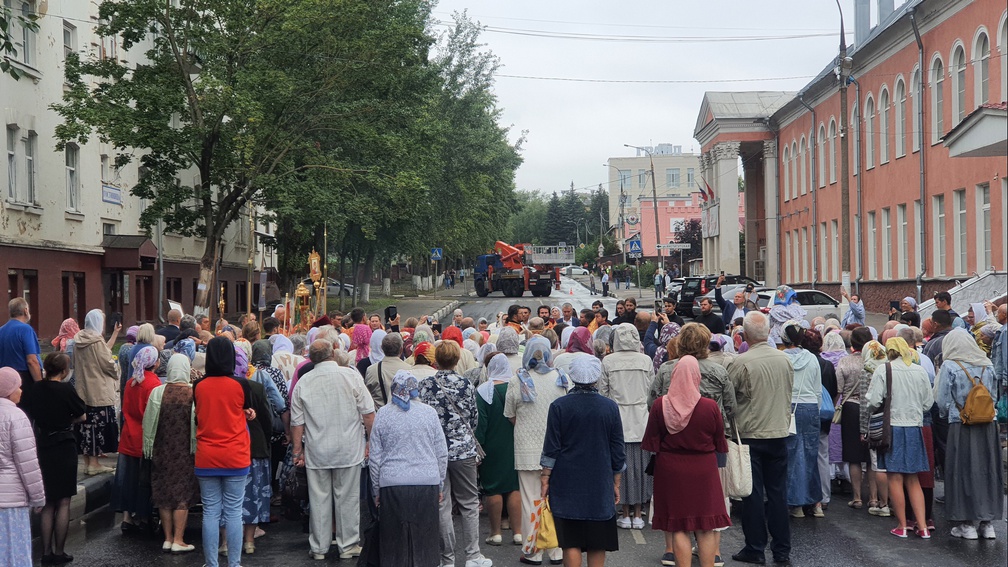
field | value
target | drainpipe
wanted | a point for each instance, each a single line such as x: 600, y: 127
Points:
x: 860, y: 174
x: 815, y: 185
x: 920, y: 143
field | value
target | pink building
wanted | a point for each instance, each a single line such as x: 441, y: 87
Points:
x: 673, y: 212
x: 919, y: 218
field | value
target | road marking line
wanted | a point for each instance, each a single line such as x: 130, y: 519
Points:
x: 638, y: 537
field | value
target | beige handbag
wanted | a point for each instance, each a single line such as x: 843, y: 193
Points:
x: 738, y: 472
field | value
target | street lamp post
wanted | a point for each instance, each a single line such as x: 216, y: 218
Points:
x: 654, y: 196
x: 844, y: 65
x: 622, y: 203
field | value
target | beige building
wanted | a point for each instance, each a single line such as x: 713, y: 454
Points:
x: 69, y: 228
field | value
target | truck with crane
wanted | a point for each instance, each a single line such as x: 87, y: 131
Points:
x: 516, y: 269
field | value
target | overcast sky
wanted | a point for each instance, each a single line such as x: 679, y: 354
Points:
x: 575, y: 126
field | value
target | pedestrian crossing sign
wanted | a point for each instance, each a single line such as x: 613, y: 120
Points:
x: 436, y: 254
x: 635, y: 246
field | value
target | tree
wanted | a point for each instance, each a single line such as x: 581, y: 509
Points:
x: 8, y: 20
x: 554, y: 231
x: 528, y: 221
x: 241, y: 93
x: 690, y: 232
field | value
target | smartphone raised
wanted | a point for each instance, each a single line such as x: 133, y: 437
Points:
x: 391, y: 312
x: 436, y: 327
x: 894, y: 305
x: 659, y: 306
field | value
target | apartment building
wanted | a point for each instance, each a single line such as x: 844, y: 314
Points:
x: 70, y: 239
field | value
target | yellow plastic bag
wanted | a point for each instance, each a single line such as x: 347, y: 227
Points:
x: 547, y: 535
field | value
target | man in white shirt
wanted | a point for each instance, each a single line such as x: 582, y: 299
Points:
x: 331, y: 410
x: 569, y: 316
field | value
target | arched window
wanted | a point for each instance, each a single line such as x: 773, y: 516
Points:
x: 981, y: 70
x: 854, y: 126
x: 958, y: 84
x: 883, y: 126
x: 937, y: 100
x: 821, y: 140
x: 786, y: 172
x: 793, y: 164
x: 900, y: 101
x: 801, y: 157
x: 1003, y: 47
x: 869, y: 132
x: 832, y: 150
x: 811, y: 160
x: 915, y: 84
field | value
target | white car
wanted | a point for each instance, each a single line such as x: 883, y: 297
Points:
x: 573, y: 270
x: 815, y: 303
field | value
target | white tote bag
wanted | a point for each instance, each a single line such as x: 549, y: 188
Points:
x: 738, y: 472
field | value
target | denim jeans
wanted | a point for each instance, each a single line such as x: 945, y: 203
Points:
x: 222, y: 498
x: 769, y: 459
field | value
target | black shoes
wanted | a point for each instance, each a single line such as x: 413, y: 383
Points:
x: 53, y: 559
x: 749, y: 558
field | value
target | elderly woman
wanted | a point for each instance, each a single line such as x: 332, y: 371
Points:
x: 454, y: 399
x: 408, y: 463
x: 627, y: 376
x: 852, y: 381
x: 507, y: 343
x: 579, y: 341
x: 526, y: 403
x: 129, y: 495
x: 667, y: 333
x: 96, y: 381
x: 722, y: 350
x: 803, y: 487
x: 55, y: 406
x: 275, y: 387
x: 168, y: 442
x: 685, y: 430
x: 258, y: 486
x: 785, y: 308
x: 375, y: 354
x: 19, y: 474
x: 495, y: 433
x: 423, y: 361
x: 906, y: 456
x: 973, y: 468
x: 582, y: 462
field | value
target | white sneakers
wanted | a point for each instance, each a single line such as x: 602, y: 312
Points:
x: 479, y: 562
x: 624, y: 523
x: 987, y: 530
x: 638, y: 523
x: 967, y: 531
x: 354, y: 551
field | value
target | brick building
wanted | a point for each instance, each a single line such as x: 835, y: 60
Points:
x: 919, y: 219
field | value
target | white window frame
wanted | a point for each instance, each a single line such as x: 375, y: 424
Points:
x: 886, y: 243
x: 12, y: 163
x: 915, y: 102
x: 676, y: 178
x: 690, y: 177
x: 72, y: 166
x: 69, y: 39
x: 937, y: 99
x: 938, y: 245
x: 821, y: 144
x: 834, y: 256
x: 883, y: 114
x: 957, y: 72
x: 642, y: 178
x: 823, y: 260
x: 807, y: 252
x: 872, y: 248
x: 801, y: 156
x: 904, y: 235
x: 899, y: 100
x: 24, y: 38
x: 981, y: 67
x: 918, y: 222
x: 786, y: 170
x: 869, y: 135
x: 832, y: 150
x: 985, y: 257
x: 794, y: 169
x: 29, y: 144
x: 960, y: 223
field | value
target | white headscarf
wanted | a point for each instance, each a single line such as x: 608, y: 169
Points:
x: 376, y: 354
x: 498, y: 370
x: 960, y: 345
x: 565, y: 337
x: 94, y: 321
x: 178, y: 369
x: 483, y: 352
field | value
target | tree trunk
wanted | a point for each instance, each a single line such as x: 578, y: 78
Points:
x: 354, y: 273
x: 208, y: 269
x: 369, y: 261
x: 342, y: 269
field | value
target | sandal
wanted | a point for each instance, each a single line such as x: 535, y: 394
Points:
x: 856, y: 504
x: 494, y: 540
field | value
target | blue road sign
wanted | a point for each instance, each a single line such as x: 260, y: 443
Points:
x: 436, y: 254
x: 634, y: 246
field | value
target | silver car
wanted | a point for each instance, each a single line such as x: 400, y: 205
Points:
x: 813, y: 301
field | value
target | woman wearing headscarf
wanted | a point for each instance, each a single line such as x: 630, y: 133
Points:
x: 495, y: 433
x: 375, y: 354
x: 144, y: 338
x: 477, y: 376
x: 129, y: 495
x: 272, y: 380
x: 67, y: 331
x: 582, y: 462
x: 124, y: 352
x: 284, y: 358
x: 811, y: 341
x: 874, y: 355
x: 668, y: 332
x: 527, y: 401
x: 580, y: 341
x: 627, y: 376
x: 408, y: 462
x: 55, y: 407
x: 223, y: 456
x: 973, y: 467
x: 360, y: 341
x: 785, y: 308
x: 803, y: 487
x: 169, y: 435
x: 685, y: 430
x: 423, y: 361
x: 19, y: 474
x: 258, y: 485
x: 96, y: 381
x: 507, y: 343
x: 852, y: 382
x: 466, y: 359
x: 906, y: 456
x: 722, y: 350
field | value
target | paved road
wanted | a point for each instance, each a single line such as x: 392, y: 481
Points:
x: 844, y: 537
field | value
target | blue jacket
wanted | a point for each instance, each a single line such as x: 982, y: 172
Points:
x: 584, y: 447
x: 954, y: 385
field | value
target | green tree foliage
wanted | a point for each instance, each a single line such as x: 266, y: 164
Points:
x: 555, y: 228
x: 9, y: 21
x: 528, y: 221
x: 689, y: 232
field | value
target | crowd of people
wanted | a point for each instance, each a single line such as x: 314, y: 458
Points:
x: 610, y: 423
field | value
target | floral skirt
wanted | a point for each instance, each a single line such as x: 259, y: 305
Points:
x: 99, y: 433
x: 15, y: 537
x: 258, y: 491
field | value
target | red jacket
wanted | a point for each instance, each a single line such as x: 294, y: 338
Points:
x: 134, y: 404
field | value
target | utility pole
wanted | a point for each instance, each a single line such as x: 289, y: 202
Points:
x: 844, y: 65
x: 654, y: 196
x: 622, y: 219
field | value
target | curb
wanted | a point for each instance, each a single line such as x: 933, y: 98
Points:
x: 93, y: 493
x: 440, y: 313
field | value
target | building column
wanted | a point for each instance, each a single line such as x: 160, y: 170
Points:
x: 707, y: 249
x: 773, y: 244
x: 727, y: 197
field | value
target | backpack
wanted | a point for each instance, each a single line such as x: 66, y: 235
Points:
x: 979, y: 406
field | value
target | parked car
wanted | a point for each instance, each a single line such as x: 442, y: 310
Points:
x: 695, y: 286
x: 728, y: 293
x: 333, y: 288
x: 573, y: 270
x: 674, y: 287
x: 815, y: 302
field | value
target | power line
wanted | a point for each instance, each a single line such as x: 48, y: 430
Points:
x: 643, y: 38
x: 653, y: 81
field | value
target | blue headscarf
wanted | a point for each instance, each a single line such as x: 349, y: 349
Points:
x: 785, y: 296
x: 186, y: 347
x: 404, y: 389
x: 536, y: 359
